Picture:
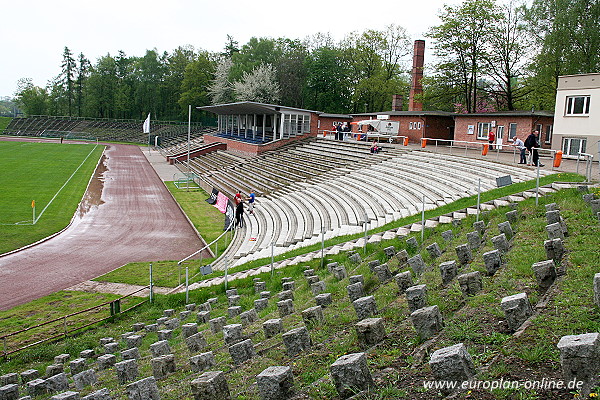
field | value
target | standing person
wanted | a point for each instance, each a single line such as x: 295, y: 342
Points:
x: 339, y: 135
x: 491, y: 139
x: 347, y: 130
x: 239, y: 209
x: 532, y: 143
x: 251, y: 199
x: 518, y: 143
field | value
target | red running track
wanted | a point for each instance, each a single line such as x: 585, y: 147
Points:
x: 126, y: 215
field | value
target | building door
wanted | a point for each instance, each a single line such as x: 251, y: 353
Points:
x: 500, y: 136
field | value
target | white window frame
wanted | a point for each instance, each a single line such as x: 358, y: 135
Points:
x: 566, y: 145
x: 482, y: 133
x: 571, y: 103
x: 512, y: 133
x: 549, y: 132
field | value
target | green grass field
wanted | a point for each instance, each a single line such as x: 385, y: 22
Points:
x: 36, y: 171
x: 4, y: 121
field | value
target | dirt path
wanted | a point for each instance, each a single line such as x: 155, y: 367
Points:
x: 127, y: 215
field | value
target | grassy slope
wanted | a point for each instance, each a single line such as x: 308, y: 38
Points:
x: 4, y: 121
x: 399, y: 364
x: 36, y: 171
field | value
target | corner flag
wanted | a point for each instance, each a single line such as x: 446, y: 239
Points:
x: 146, y: 126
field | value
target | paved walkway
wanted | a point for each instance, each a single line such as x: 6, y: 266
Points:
x: 127, y: 215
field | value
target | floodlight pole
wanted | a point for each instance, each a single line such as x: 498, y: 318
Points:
x: 537, y: 183
x: 478, y: 198
x: 188, y: 145
x: 423, y: 220
x: 151, y: 285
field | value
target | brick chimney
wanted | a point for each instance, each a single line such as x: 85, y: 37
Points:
x: 416, y: 88
x: 397, y: 102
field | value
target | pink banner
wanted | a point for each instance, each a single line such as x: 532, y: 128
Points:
x: 222, y: 202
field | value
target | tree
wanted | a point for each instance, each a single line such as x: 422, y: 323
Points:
x: 196, y: 82
x: 231, y: 47
x: 221, y: 88
x: 259, y: 85
x: 67, y: 77
x: 461, y: 43
x: 291, y: 72
x: 100, y: 88
x: 328, y: 86
x: 33, y: 100
x: 83, y: 68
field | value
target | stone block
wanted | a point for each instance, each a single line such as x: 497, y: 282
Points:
x: 68, y: 395
x: 144, y: 389
x: 161, y: 321
x: 463, y: 252
x: 202, y: 362
x: 313, y: 315
x: 308, y: 272
x: 331, y: 266
x: 133, y: 341
x: 169, y: 313
x: 54, y: 369
x: 501, y: 243
x: 370, y: 331
x: 102, y: 394
x: 233, y: 334
x: 261, y: 304
x: 427, y: 321
x: 411, y: 242
x: 580, y: 359
x: 512, y: 216
x: 172, y: 324
x: 163, y: 366
x: 350, y: 374
x: 597, y: 289
x: 434, y: 250
x: 203, y: 317
x: 355, y: 291
x: 402, y: 256
x: 152, y: 328
x: 125, y: 335
x: 355, y: 258
x: 517, y: 309
x: 259, y: 287
x: 234, y: 300
x: 29, y: 375
x: 285, y: 294
x: 211, y: 385
x: 111, y: 348
x: 555, y: 231
x: 555, y: 249
x: 190, y: 307
x: 36, y: 387
x: 291, y: 285
x: 8, y: 379
x: 138, y: 326
x: 234, y: 311
x: 105, y: 340
x: 272, y: 327
x: 416, y: 297
x: 448, y: 235
x: 595, y: 204
x: 403, y: 280
x: 275, y: 383
x: 248, y: 317
x: 365, y: 307
x: 357, y: 278
x: 10, y: 391
x: 551, y: 207
x: 373, y: 264
x: 474, y: 240
x: 588, y: 197
x: 77, y: 365
x: 479, y: 226
x: 285, y: 307
x: 87, y: 353
x: 217, y: 324
x: 84, y: 379
x: 324, y: 299
x: 545, y: 273
x: 317, y: 287
x: 296, y: 341
x: 417, y: 264
x: 160, y: 348
x: 195, y: 342
x: 189, y: 329
x: 312, y: 279
x: 106, y: 361
x: 471, y: 283
x: 383, y: 273
x: 242, y: 351
x: 448, y: 271
x: 57, y: 383
x: 231, y: 292
x: 130, y: 354
x: 126, y: 371
x: 390, y: 251
x: 493, y: 261
x: 340, y: 272
x: 506, y: 228
x: 553, y: 217
x: 183, y: 315
x: 212, y: 300
x: 205, y: 306
x: 452, y: 364
x: 61, y: 358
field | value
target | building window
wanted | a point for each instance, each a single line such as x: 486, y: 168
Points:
x: 573, y: 146
x: 549, y: 134
x: 483, y: 128
x: 578, y: 105
x: 512, y: 131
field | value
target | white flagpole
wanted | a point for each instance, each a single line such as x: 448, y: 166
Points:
x: 188, y: 145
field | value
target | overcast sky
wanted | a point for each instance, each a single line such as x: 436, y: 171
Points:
x: 34, y: 33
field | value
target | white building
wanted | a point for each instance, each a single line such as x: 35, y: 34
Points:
x: 577, y: 114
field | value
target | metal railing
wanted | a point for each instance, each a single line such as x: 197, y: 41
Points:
x: 588, y: 159
x: 114, y: 307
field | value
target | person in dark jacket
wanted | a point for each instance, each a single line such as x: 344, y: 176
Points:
x: 532, y: 144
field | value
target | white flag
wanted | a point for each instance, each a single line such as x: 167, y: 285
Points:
x: 146, y: 126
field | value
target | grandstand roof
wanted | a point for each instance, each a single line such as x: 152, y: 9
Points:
x: 250, y: 107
